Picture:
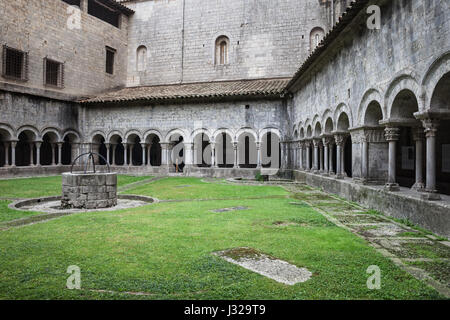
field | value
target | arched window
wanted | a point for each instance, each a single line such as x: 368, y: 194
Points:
x: 222, y: 48
x: 316, y: 37
x: 141, y: 58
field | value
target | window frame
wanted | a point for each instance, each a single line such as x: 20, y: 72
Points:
x: 24, y: 68
x: 113, y: 51
x: 60, y: 73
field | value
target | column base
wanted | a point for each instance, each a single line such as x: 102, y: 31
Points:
x: 430, y: 195
x: 418, y: 186
x: 391, y: 187
x: 340, y: 176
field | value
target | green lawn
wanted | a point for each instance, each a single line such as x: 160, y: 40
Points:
x: 7, y: 214
x: 45, y: 186
x: 164, y: 250
x: 194, y: 188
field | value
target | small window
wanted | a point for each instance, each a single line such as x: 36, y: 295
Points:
x: 102, y: 11
x: 110, y: 53
x: 316, y: 37
x: 15, y: 64
x: 53, y: 73
x: 141, y: 58
x: 222, y: 45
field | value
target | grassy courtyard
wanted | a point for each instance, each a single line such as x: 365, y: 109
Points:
x: 163, y: 250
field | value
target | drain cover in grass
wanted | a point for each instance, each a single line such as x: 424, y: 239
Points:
x: 275, y: 269
x: 229, y: 209
x: 183, y: 186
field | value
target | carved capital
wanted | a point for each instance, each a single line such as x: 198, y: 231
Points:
x: 327, y: 141
x: 431, y: 126
x: 340, y: 140
x: 392, y: 134
x: 317, y: 143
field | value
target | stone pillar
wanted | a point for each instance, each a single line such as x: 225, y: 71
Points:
x: 114, y: 146
x: 13, y: 153
x: 59, y: 146
x: 340, y: 141
x: 258, y: 157
x: 31, y: 154
x: 144, y: 146
x: 320, y: 157
x: 392, y: 135
x: 84, y: 5
x: 131, y: 145
x: 53, y: 146
x: 38, y: 153
x: 365, y: 158
x: 188, y: 153
x: 6, y: 146
x: 108, y: 152
x: 431, y: 126
x: 326, y: 161
x: 236, y: 155
x: 301, y: 155
x: 308, y: 156
x: 316, y: 144
x: 331, y: 157
x: 125, y: 154
x: 164, y: 160
x: 213, y: 155
x: 418, y: 137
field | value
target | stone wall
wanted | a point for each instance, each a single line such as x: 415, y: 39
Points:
x: 41, y: 29
x: 185, y: 118
x: 267, y: 38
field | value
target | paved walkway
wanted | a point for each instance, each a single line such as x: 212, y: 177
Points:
x: 418, y: 252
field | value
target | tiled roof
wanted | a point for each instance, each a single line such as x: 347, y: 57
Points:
x: 119, y: 6
x: 204, y: 90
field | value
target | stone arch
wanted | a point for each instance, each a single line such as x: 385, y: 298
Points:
x: 200, y: 130
x: 270, y: 147
x: 328, y: 126
x: 438, y: 69
x: 29, y: 129
x: 343, y: 122
x: 133, y: 132
x: 201, y: 139
x: 153, y: 132
x: 72, y: 133
x: 404, y: 105
x: 7, y: 131
x: 97, y: 133
x: 326, y: 114
x: 370, y: 96
x: 441, y: 95
x: 247, y: 131
x: 343, y: 108
x: 113, y: 133
x: 179, y: 132
x: 53, y: 132
x: 317, y: 129
x: 373, y: 113
x: 401, y: 83
x: 309, y: 132
x: 302, y: 133
x: 223, y: 130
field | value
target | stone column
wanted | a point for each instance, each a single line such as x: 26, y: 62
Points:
x: 59, y: 146
x: 418, y: 137
x: 144, y: 146
x: 326, y: 161
x: 331, y: 157
x: 365, y: 158
x: 431, y: 126
x: 125, y: 154
x: 164, y: 159
x: 308, y: 156
x: 392, y: 135
x: 38, y: 153
x: 316, y: 155
x: 13, y: 153
x: 188, y: 153
x: 31, y: 154
x: 213, y: 155
x: 258, y: 156
x: 131, y: 145
x: 340, y: 141
x: 53, y: 146
x: 108, y: 152
x: 6, y: 146
x: 301, y: 146
x: 236, y: 155
x: 320, y: 157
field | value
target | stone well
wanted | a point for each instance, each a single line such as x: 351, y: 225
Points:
x: 89, y: 190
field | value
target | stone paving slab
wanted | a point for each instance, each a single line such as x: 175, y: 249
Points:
x: 270, y: 267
